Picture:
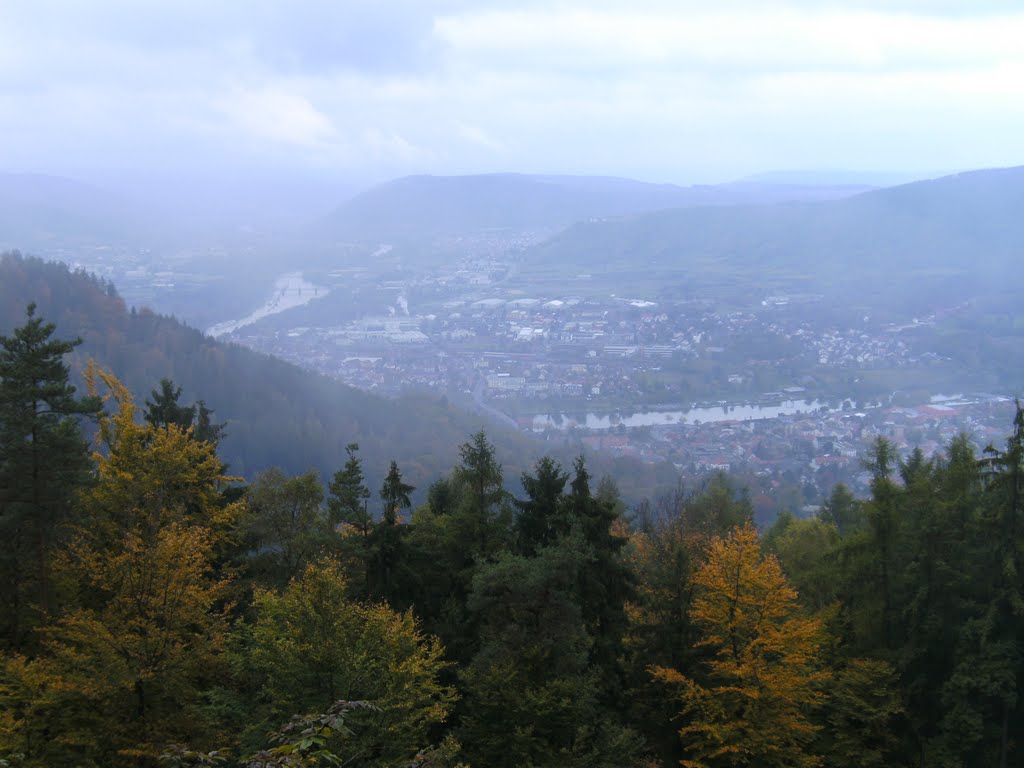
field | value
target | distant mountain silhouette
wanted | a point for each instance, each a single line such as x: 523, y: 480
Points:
x: 432, y: 206
x: 969, y: 222
x: 39, y: 211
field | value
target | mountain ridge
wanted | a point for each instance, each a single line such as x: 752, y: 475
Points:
x: 427, y: 205
x: 941, y: 222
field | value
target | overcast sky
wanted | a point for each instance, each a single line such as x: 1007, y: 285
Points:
x: 665, y: 90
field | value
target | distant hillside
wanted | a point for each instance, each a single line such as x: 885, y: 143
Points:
x: 277, y: 414
x: 969, y: 223
x: 42, y: 212
x: 432, y: 206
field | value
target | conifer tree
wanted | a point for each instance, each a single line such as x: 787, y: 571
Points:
x: 394, y: 494
x: 999, y: 631
x: 387, y: 540
x: 533, y: 697
x: 537, y: 524
x: 346, y: 503
x: 842, y: 510
x: 605, y: 582
x: 163, y: 410
x: 43, y: 462
x: 349, y: 516
x: 480, y: 476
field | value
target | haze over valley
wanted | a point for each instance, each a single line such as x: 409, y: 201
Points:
x: 569, y: 307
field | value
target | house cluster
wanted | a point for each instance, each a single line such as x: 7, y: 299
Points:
x: 816, y: 448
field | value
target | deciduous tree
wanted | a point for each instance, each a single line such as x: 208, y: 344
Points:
x: 312, y: 645
x: 122, y: 671
x: 749, y: 705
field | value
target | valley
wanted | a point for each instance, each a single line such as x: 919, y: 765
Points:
x: 645, y: 335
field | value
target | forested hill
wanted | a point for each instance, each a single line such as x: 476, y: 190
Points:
x: 276, y: 413
x: 430, y: 206
x: 961, y: 224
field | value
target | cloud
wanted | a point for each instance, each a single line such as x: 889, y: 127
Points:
x: 679, y: 90
x: 749, y: 40
x: 277, y: 114
x: 478, y: 137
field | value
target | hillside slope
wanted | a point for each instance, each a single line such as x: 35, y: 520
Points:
x: 969, y: 224
x: 277, y: 414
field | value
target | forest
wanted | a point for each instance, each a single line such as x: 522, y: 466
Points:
x: 157, y: 611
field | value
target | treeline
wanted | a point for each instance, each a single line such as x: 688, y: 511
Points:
x: 154, y: 611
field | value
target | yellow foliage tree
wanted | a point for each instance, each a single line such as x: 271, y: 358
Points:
x: 761, y: 675
x: 122, y: 668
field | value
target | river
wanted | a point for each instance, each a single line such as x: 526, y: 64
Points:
x: 290, y: 290
x: 702, y: 415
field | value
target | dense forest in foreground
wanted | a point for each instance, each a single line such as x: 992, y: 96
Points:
x: 155, y: 611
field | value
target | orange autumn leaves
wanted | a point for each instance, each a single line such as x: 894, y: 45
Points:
x: 761, y: 674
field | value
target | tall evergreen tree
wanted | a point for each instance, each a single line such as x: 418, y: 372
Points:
x: 123, y: 670
x: 843, y: 510
x: 349, y: 515
x: 206, y: 430
x: 394, y: 494
x: 532, y: 696
x: 537, y: 524
x: 1000, y: 631
x: 163, y: 409
x: 44, y: 460
x: 484, y: 497
x: 605, y: 580
x: 346, y: 503
x: 387, y: 540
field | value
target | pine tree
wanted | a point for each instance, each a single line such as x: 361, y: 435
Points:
x: 605, y: 583
x: 484, y: 497
x: 532, y: 697
x: 394, y: 494
x: 346, y: 504
x: 537, y: 524
x: 387, y: 545
x: 163, y: 410
x: 842, y: 510
x: 1001, y: 628
x: 43, y: 462
x: 206, y: 430
x: 349, y: 517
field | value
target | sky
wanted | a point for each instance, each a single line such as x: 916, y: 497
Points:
x: 363, y: 90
